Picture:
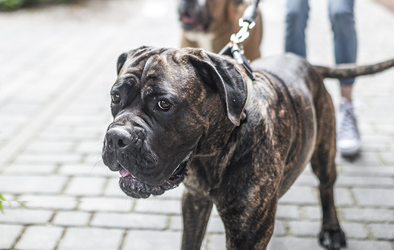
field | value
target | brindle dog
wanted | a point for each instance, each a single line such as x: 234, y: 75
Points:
x: 189, y: 115
x: 209, y: 24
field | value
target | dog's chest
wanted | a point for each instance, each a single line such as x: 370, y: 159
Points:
x: 204, y: 40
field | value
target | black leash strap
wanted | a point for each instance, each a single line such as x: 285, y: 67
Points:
x: 232, y: 49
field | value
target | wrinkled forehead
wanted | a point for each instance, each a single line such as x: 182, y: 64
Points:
x: 166, y: 70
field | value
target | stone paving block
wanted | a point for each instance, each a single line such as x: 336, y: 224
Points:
x: 385, y: 129
x: 33, y: 169
x: 374, y: 197
x: 304, y: 228
x: 91, y: 238
x: 71, y: 218
x: 284, y: 243
x: 94, y: 159
x: 299, y: 195
x: 148, y: 240
x: 382, y: 231
x: 215, y: 225
x: 365, y: 159
x: 16, y: 108
x: 85, y: 186
x: 280, y: 228
x: 312, y: 213
x: 58, y: 136
x: 158, y: 206
x: 97, y: 129
x: 175, y: 193
x: 131, y: 221
x: 368, y: 245
x: 214, y: 211
x: 106, y: 204
x: 9, y: 234
x: 8, y: 197
x: 367, y: 214
x: 343, y: 197
x: 92, y: 146
x: 26, y: 216
x: 49, y: 147
x: 112, y: 188
x: 354, y: 230
x: 375, y: 147
x: 48, y: 201
x: 388, y: 158
x: 39, y: 238
x: 353, y: 181
x: 31, y: 184
x: 85, y: 170
x: 215, y: 242
x: 288, y: 212
x: 176, y: 223
x: 369, y: 171
x: 307, y: 180
x: 47, y: 158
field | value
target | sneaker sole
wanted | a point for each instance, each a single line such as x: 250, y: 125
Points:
x: 350, y: 152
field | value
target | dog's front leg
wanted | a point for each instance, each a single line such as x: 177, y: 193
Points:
x: 196, y: 212
x: 249, y: 225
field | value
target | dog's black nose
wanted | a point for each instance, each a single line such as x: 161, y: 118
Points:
x: 118, y: 139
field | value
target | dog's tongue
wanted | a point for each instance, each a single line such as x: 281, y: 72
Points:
x: 123, y: 172
x: 187, y: 20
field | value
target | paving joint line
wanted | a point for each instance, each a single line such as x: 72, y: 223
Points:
x: 41, y: 120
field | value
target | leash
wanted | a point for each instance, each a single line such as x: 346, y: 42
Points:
x: 232, y: 49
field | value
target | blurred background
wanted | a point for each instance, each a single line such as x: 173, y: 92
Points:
x: 57, y: 65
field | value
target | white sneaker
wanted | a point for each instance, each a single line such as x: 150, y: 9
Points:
x: 348, y: 137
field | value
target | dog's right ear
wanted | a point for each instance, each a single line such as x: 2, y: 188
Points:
x: 223, y: 76
x: 121, y: 60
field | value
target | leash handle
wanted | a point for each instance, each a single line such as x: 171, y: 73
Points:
x: 250, y: 12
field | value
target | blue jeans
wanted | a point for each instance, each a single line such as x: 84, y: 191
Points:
x: 341, y: 14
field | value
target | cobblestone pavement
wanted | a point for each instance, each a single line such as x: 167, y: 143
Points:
x: 56, y: 68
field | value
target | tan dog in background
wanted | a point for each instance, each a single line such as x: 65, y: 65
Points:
x: 208, y: 24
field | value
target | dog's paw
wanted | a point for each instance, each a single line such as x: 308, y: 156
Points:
x: 332, y: 239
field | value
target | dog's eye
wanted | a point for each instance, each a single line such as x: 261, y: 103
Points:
x: 164, y: 105
x: 115, y: 98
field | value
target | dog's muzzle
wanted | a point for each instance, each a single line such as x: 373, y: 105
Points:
x: 124, y: 150
x: 137, y: 189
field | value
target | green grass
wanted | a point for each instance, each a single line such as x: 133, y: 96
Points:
x: 1, y: 203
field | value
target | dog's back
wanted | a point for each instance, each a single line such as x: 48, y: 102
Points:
x: 307, y: 112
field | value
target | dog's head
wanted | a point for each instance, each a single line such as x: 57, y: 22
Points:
x: 206, y: 15
x: 165, y: 103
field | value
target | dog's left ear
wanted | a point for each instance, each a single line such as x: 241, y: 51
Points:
x: 121, y: 60
x: 222, y: 75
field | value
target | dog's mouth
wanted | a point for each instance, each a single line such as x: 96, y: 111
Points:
x: 189, y: 23
x: 133, y: 187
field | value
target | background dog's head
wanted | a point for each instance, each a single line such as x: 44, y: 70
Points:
x: 207, y: 15
x: 165, y: 102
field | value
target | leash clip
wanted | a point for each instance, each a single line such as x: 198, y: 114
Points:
x: 243, y: 33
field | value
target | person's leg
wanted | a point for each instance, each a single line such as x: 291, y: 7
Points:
x: 345, y: 37
x: 296, y: 19
x: 345, y: 42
